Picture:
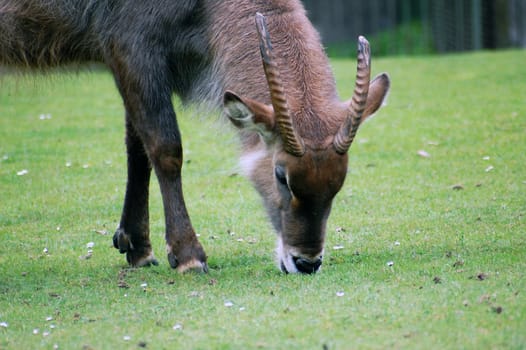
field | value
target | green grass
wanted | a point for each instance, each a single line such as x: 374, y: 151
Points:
x: 457, y: 279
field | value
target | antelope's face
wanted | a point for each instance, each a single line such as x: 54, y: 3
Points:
x: 305, y: 187
x: 298, y: 178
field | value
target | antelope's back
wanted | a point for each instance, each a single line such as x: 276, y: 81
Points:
x: 207, y: 46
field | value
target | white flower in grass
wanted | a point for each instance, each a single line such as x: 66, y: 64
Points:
x: 22, y: 172
x: 36, y: 331
x: 338, y: 247
x: 126, y: 338
x: 390, y: 263
x: 177, y: 327
x: 340, y: 294
x: 229, y: 304
x: 423, y: 154
x: 49, y: 318
x: 90, y: 245
x: 4, y: 324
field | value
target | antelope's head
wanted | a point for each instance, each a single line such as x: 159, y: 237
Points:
x: 299, y: 178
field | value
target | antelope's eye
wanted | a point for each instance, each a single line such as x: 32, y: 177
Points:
x: 279, y: 171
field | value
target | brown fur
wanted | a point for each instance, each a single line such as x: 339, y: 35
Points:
x: 199, y: 50
x: 304, y: 67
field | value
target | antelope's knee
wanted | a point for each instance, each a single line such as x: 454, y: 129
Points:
x: 168, y: 158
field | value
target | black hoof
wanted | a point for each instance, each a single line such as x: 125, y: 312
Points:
x: 192, y: 265
x: 136, y: 255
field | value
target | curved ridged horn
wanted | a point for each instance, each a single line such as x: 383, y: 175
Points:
x: 345, y: 136
x: 292, y: 142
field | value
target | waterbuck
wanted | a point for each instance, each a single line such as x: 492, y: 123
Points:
x: 272, y: 77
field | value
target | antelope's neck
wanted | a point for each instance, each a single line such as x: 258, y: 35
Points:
x: 304, y: 68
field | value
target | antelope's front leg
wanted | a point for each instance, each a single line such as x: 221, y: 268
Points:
x: 151, y: 117
x: 162, y: 142
x: 185, y: 253
x: 133, y: 235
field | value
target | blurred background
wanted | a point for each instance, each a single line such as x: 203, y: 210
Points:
x: 409, y: 27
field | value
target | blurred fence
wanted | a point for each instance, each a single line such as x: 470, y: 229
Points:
x: 421, y: 26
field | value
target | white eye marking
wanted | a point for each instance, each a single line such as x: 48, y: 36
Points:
x: 249, y: 161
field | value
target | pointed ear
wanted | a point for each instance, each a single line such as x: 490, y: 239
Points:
x: 249, y: 114
x: 378, y: 89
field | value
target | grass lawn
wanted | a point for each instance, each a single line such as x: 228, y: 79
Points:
x: 426, y: 242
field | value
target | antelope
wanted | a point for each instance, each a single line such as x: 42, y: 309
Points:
x: 272, y: 79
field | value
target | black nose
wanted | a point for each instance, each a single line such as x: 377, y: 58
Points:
x: 306, y: 265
